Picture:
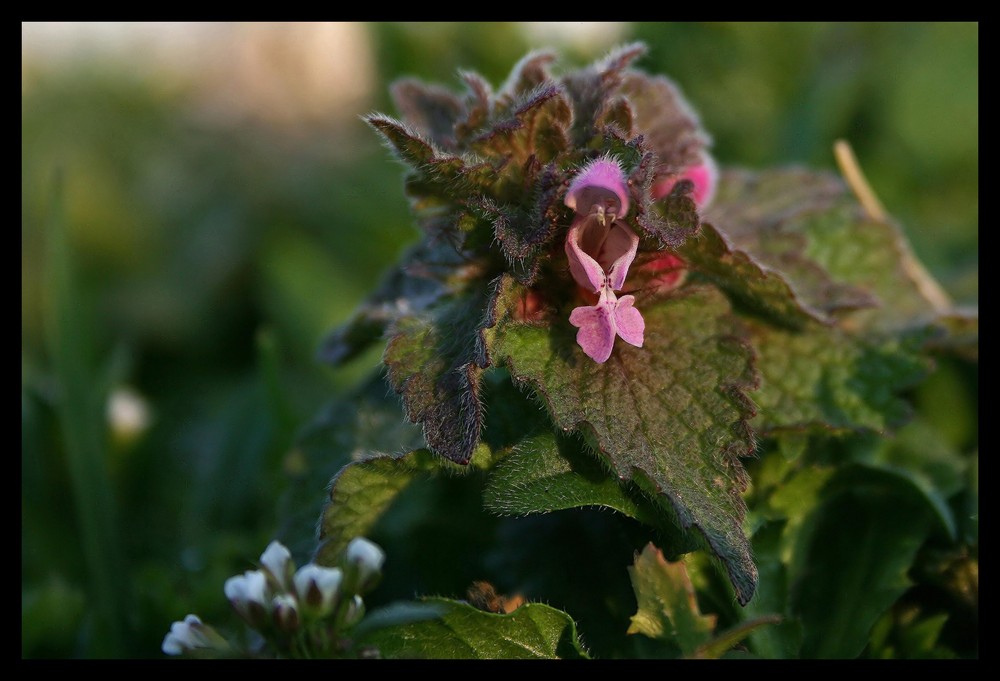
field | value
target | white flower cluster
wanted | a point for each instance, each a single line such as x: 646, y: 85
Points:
x: 280, y: 600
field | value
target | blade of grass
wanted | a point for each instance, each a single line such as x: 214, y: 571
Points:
x: 80, y: 409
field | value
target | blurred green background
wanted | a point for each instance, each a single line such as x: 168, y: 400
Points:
x: 201, y: 203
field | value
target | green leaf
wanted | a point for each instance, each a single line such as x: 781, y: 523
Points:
x: 921, y: 455
x: 362, y: 492
x: 546, y: 473
x: 667, y: 606
x: 438, y: 628
x: 783, y: 640
x: 875, y: 257
x: 852, y: 558
x: 722, y: 643
x: 787, y: 224
x: 751, y: 283
x: 826, y: 378
x: 670, y: 416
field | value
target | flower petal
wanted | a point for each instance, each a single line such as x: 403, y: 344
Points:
x: 618, y: 254
x: 629, y: 322
x: 597, y: 329
x: 601, y: 184
x: 584, y: 268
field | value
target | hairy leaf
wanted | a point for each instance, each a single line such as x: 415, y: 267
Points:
x: 438, y: 628
x: 671, y: 416
x: 435, y: 361
x: 534, y: 124
x: 784, y: 222
x: 824, y: 377
x: 589, y: 90
x: 548, y: 473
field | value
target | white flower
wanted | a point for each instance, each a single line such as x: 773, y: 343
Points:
x: 367, y: 556
x: 318, y: 586
x: 276, y: 559
x: 247, y: 591
x: 183, y: 636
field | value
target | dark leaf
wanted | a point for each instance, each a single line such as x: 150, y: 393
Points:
x: 852, y: 558
x: 436, y: 360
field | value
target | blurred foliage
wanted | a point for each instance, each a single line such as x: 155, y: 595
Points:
x: 211, y: 257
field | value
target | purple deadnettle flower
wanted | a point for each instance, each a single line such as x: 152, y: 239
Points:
x: 600, y: 248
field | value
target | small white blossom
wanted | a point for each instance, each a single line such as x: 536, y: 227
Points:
x: 183, y: 636
x: 367, y: 556
x: 276, y: 559
x: 247, y: 590
x: 318, y: 586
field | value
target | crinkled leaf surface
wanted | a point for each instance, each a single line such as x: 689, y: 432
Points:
x: 827, y: 378
x: 776, y: 226
x: 549, y: 473
x: 438, y: 628
x: 670, y: 416
x: 750, y: 282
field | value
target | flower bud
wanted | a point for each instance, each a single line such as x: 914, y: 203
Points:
x: 277, y: 560
x: 285, y: 611
x: 186, y: 635
x: 365, y: 560
x: 318, y: 588
x: 248, y: 595
x: 353, y: 613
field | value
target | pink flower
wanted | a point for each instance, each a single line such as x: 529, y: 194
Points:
x: 704, y: 176
x: 600, y: 248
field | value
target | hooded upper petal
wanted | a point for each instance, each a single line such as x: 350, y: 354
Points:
x: 601, y: 185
